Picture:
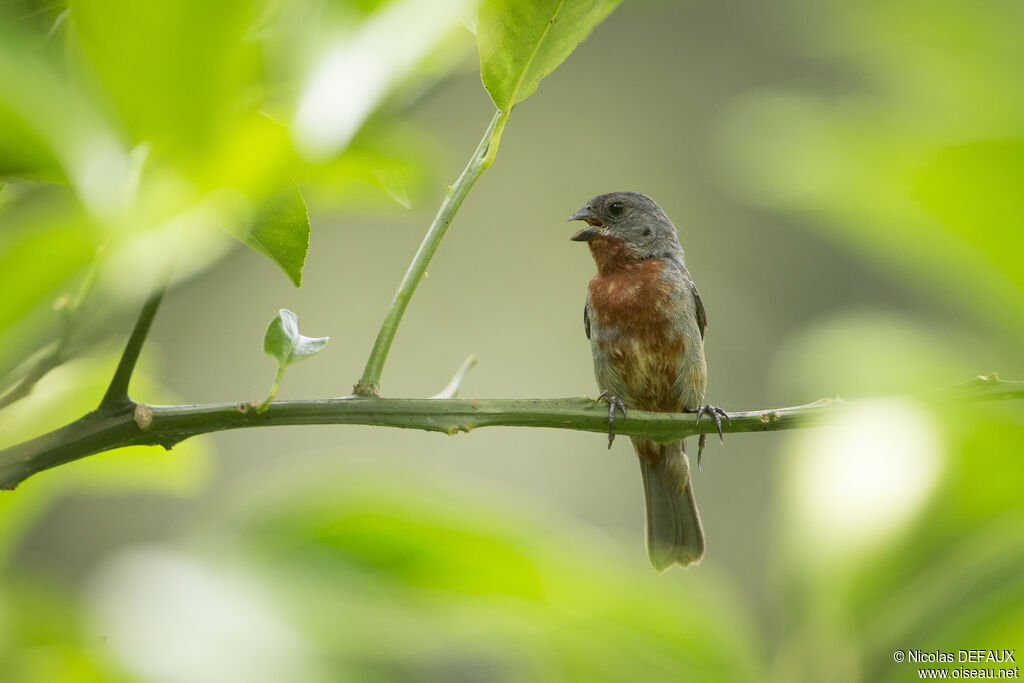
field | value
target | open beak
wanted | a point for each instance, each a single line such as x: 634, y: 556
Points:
x: 594, y: 225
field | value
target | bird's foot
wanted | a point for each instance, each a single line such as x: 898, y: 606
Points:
x: 613, y: 405
x: 716, y: 414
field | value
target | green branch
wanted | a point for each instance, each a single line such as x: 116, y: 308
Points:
x: 483, y: 156
x: 117, y: 393
x: 140, y: 424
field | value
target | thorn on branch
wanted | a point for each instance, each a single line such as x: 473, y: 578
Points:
x: 452, y: 389
x: 100, y: 431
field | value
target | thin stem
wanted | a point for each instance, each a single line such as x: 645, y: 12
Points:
x: 70, y: 308
x: 117, y: 393
x: 98, y: 431
x: 273, y: 390
x: 483, y: 156
x: 51, y: 359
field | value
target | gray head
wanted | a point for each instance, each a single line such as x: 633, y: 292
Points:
x: 634, y: 218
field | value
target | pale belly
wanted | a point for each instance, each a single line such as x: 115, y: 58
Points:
x: 649, y: 371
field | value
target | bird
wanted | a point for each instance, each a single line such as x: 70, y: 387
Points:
x: 645, y: 321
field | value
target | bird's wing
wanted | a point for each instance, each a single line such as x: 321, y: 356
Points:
x: 702, y: 318
x: 586, y: 317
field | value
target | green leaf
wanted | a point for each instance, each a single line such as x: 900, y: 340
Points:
x: 50, y: 130
x: 172, y: 70
x: 970, y: 188
x: 23, y: 153
x: 522, y: 41
x: 283, y: 342
x: 280, y: 231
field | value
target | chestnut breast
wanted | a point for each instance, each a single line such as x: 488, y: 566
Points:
x: 635, y: 328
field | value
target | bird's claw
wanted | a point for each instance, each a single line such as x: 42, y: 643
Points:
x: 613, y: 405
x: 716, y: 414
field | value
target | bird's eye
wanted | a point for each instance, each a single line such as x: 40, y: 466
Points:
x: 616, y: 208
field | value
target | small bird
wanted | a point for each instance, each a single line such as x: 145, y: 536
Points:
x: 646, y: 322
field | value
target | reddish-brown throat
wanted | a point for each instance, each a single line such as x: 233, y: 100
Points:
x: 611, y: 254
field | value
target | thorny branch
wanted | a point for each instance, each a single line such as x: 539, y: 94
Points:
x: 141, y: 424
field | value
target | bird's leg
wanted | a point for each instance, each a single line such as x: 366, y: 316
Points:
x: 613, y: 405
x: 716, y: 414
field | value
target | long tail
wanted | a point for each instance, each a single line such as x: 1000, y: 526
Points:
x: 674, y: 531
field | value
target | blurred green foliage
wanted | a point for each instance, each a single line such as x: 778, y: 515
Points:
x: 492, y: 597
x: 155, y: 125
x: 160, y: 130
x: 161, y: 120
x: 917, y: 167
x: 917, y: 163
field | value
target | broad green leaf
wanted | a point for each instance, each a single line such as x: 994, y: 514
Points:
x: 23, y: 153
x: 172, y: 70
x: 45, y: 242
x: 283, y: 342
x: 50, y: 130
x: 522, y: 41
x: 37, y: 264
x: 280, y: 231
x: 972, y: 189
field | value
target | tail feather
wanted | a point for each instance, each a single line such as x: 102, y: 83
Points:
x: 674, y: 531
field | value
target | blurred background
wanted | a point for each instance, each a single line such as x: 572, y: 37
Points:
x: 846, y: 179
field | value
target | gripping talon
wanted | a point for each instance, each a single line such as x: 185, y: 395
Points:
x: 719, y: 414
x: 718, y: 425
x: 613, y: 405
x: 716, y: 414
